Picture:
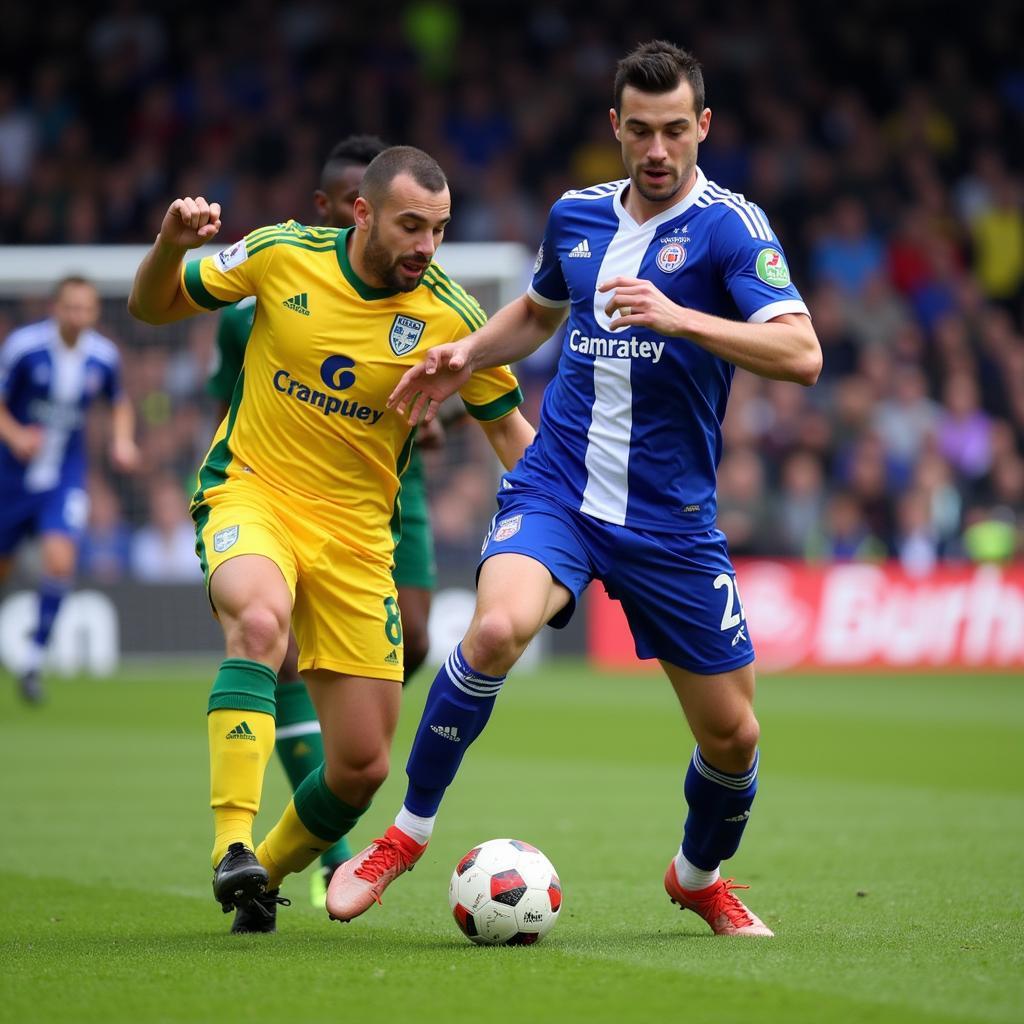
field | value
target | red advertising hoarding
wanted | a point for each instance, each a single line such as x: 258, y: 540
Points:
x: 856, y: 616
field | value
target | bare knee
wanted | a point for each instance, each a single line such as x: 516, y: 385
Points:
x: 258, y: 634
x: 731, y: 746
x: 355, y: 779
x: 495, y: 642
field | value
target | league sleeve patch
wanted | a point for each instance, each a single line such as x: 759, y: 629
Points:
x: 539, y: 261
x: 232, y: 256
x: 771, y: 268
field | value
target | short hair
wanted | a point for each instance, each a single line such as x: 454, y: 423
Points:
x: 71, y: 279
x: 352, y: 151
x: 383, y: 169
x: 659, y: 66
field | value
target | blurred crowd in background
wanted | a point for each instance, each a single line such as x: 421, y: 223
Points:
x: 885, y: 141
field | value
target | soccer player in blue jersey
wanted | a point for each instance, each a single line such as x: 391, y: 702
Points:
x: 50, y: 373
x: 670, y: 282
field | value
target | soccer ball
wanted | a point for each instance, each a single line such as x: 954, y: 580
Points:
x: 505, y: 893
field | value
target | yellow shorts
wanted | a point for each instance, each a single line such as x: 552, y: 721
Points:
x: 344, y: 603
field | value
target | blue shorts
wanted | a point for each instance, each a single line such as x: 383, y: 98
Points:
x: 678, y: 590
x: 24, y: 514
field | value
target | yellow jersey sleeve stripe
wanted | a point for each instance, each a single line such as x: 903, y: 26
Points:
x: 292, y: 240
x: 499, y: 407
x: 257, y: 233
x: 471, y: 319
x: 290, y: 230
x: 197, y: 292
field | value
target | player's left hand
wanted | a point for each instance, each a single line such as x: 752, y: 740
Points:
x: 124, y: 455
x: 637, y: 303
x: 423, y: 387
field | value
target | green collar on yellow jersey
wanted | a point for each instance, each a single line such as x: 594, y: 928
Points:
x: 364, y: 290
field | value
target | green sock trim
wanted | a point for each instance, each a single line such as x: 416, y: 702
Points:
x: 244, y: 686
x: 321, y: 811
x: 299, y: 743
x: 295, y: 707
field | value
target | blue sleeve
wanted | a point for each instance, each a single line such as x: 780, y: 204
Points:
x: 9, y: 372
x: 753, y: 265
x: 112, y: 389
x: 548, y: 285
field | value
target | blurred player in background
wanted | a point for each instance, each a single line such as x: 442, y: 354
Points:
x: 50, y: 374
x: 299, y: 744
x: 670, y: 282
x: 298, y: 496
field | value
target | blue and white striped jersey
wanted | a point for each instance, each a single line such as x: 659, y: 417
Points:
x: 631, y: 425
x: 44, y: 382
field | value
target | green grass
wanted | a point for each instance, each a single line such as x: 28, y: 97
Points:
x: 885, y: 850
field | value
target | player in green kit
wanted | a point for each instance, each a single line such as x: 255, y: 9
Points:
x: 298, y: 742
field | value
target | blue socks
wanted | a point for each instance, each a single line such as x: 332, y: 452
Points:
x: 51, y: 593
x: 719, y: 805
x: 457, y: 709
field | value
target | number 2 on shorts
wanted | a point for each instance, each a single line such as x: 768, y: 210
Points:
x: 732, y: 596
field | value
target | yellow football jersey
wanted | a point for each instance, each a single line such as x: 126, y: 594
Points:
x: 308, y: 414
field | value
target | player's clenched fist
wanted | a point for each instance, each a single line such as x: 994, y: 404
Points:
x: 190, y: 222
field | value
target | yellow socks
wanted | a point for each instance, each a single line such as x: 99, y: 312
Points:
x: 289, y: 847
x: 292, y: 844
x: 241, y: 744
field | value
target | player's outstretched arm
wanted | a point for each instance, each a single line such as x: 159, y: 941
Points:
x: 510, y: 436
x: 513, y: 332
x: 23, y: 439
x: 124, y: 453
x: 784, y: 348
x: 156, y: 292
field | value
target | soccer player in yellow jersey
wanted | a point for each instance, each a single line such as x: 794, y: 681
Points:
x: 298, y: 493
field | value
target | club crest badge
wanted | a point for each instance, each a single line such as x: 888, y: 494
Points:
x: 405, y: 334
x: 224, y: 539
x: 671, y: 257
x: 508, y: 528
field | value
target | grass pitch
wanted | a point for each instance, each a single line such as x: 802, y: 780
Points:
x: 884, y: 849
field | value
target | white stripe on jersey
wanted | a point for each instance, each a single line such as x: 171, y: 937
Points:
x: 606, y: 495
x: 542, y: 300
x: 66, y: 385
x: 774, y: 309
x: 602, y: 191
x: 753, y: 219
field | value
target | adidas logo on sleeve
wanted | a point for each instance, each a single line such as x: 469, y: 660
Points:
x: 581, y: 251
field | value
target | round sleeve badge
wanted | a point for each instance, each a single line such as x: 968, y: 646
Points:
x: 771, y: 268
x: 539, y: 261
x: 671, y: 257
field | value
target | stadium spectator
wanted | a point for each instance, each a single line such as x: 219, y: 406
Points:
x: 164, y: 550
x: 102, y: 116
x: 105, y: 552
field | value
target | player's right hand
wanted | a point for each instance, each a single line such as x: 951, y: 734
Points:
x: 189, y: 222
x: 426, y: 385
x: 26, y: 442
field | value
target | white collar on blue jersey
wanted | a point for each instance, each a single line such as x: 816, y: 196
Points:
x: 626, y: 220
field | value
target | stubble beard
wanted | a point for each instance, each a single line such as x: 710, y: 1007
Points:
x: 379, y: 261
